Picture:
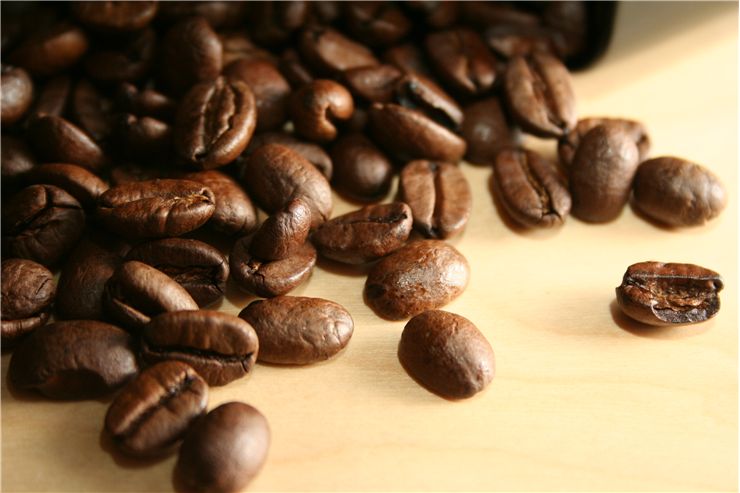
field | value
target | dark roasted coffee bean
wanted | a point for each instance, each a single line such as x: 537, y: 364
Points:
x: 540, y: 95
x: 325, y: 12
x: 237, y: 46
x: 224, y: 451
x: 41, y: 223
x: 462, y: 60
x: 601, y: 173
x: 75, y: 180
x: 197, y: 266
x: 275, y: 174
x: 677, y: 192
x: 314, y: 153
x: 57, y: 140
x: 221, y: 347
x: 568, y: 145
x: 483, y: 14
x: 272, y: 23
x: 283, y: 233
x: 154, y: 411
x: 215, y: 122
x: 156, y: 208
x: 144, y: 138
x: 27, y: 295
x: 76, y: 359
x: 570, y: 20
x: 293, y: 69
x: 270, y: 89
x: 329, y: 52
x: 92, y: 111
x: 136, y: 292
x: 376, y: 83
x: 218, y: 14
x: 16, y: 95
x: 147, y: 102
x: 315, y: 107
x: 422, y: 275
x: 51, y: 51
x: 268, y: 279
x: 53, y: 96
x: 530, y: 188
x: 234, y: 213
x: 447, y: 354
x: 408, y: 58
x: 439, y: 197
x: 509, y: 40
x: 295, y: 330
x: 655, y: 293
x: 16, y: 160
x: 436, y: 14
x: 115, y: 16
x: 375, y: 23
x: 366, y: 234
x: 192, y: 53
x: 415, y: 91
x: 485, y: 130
x: 362, y: 171
x: 130, y: 61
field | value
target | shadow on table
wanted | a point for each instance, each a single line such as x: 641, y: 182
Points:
x: 656, y: 332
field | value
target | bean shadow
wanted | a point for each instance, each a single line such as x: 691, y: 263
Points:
x: 640, y: 329
x: 237, y: 296
x: 342, y: 269
x: 127, y: 462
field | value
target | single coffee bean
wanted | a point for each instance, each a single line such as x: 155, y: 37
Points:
x: 75, y: 180
x: 540, y: 95
x: 53, y: 96
x: 329, y: 52
x: 156, y: 208
x: 485, y: 131
x: 655, y: 293
x: 144, y: 138
x: 192, y: 53
x: 102, y: 360
x: 447, y: 354
x: 462, y: 60
x: 366, y: 234
x: 126, y: 60
x: 154, y: 411
x: 50, y: 51
x: 316, y: 106
x: 531, y: 189
x: 568, y: 145
x: 283, y: 233
x: 295, y: 330
x: 293, y: 69
x: 270, y: 89
x: 115, y: 16
x: 16, y: 160
x: 196, y: 266
x: 422, y: 275
x: 375, y: 23
x: 92, y: 111
x: 57, y: 140
x: 219, y: 346
x: 41, y: 223
x: 223, y: 451
x: 677, y: 192
x: 434, y: 14
x: 270, y: 278
x: 27, y: 295
x: 16, y: 95
x: 136, y: 292
x: 408, y: 58
x: 439, y: 197
x: 601, y: 173
x: 146, y: 102
x: 415, y: 91
x: 238, y: 46
x: 215, y: 122
x: 314, y: 153
x: 376, y: 83
x: 362, y: 171
x: 272, y: 23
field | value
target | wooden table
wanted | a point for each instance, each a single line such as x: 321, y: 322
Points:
x: 583, y: 398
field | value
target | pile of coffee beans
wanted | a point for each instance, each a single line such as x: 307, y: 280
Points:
x: 139, y: 140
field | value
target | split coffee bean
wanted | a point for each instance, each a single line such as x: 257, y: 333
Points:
x: 28, y: 291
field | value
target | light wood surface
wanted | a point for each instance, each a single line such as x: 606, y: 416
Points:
x: 583, y: 399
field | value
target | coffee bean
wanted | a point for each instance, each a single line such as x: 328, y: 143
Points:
x: 439, y: 197
x: 75, y: 180
x: 224, y: 451
x: 126, y: 60
x: 27, y: 295
x: 146, y: 102
x: 366, y: 234
x: 415, y: 91
x: 447, y: 354
x: 115, y: 16
x: 293, y: 69
x: 677, y: 192
x: 130, y: 172
x: 530, y: 188
x: 362, y: 171
x: 329, y: 52
x: 218, y: 14
x: 154, y: 411
x: 655, y: 293
x: 435, y: 14
x: 192, y: 53
x: 375, y: 23
x: 156, y: 208
x: 601, y: 173
x: 408, y: 58
x: 485, y: 131
x: 48, y: 52
x: 376, y: 83
x: 237, y: 46
x: 144, y: 138
x: 485, y: 14
x: 283, y: 233
x: 315, y: 107
x: 196, y: 266
x: 272, y: 23
x: 53, y: 96
x: 570, y: 21
x: 57, y: 140
x: 92, y: 111
x: 422, y: 275
x: 270, y: 89
x: 219, y: 346
x: 568, y: 145
x: 16, y: 96
x: 16, y: 160
x: 102, y: 360
x: 462, y: 60
x: 310, y: 151
x: 510, y: 41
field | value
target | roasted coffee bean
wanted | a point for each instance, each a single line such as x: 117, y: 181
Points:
x: 408, y: 58
x: 570, y: 21
x: 57, y: 140
x: 316, y: 106
x: 218, y: 14
x: 462, y: 60
x: 154, y: 411
x: 415, y: 91
x: 422, y: 275
x: 115, y: 16
x: 329, y: 52
x: 221, y: 347
x: 375, y: 23
x: 325, y: 12
x: 224, y: 451
x: 48, y: 52
x: 677, y: 192
x: 156, y: 208
x: 509, y: 41
x: 314, y: 153
x: 77, y: 359
x: 269, y: 279
x: 53, y: 96
x: 192, y: 53
x: 147, y: 102
x: 568, y: 145
x: 293, y: 69
x: 27, y: 295
x: 237, y: 46
x: 272, y: 23
x: 275, y: 174
x: 601, y: 173
x: 234, y: 213
x: 270, y: 89
x: 484, y: 14
x: 127, y: 62
x: 130, y: 172
x: 436, y: 14
x: 447, y: 354
x: 540, y: 95
x: 41, y: 223
x: 197, y: 266
x: 283, y: 233
x: 144, y: 138
x: 92, y: 111
x: 16, y: 95
x: 376, y: 83
x: 655, y: 293
x: 362, y: 172
x: 295, y: 330
x: 366, y: 234
x: 136, y: 292
x: 16, y: 160
x: 215, y: 122
x: 485, y: 131
x: 530, y: 188
x: 75, y: 180
x: 439, y: 197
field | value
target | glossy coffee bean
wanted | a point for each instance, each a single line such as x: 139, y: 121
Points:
x: 16, y: 160
x: 103, y: 360
x: 270, y: 89
x: 283, y: 233
x: 316, y: 107
x: 366, y: 234
x: 530, y: 188
x: 77, y: 181
x: 115, y: 15
x: 129, y: 172
x: 48, y: 52
x: 447, y: 354
x: 422, y: 275
x: 28, y: 291
x: 314, y: 153
x: 511, y: 41
x: 491, y: 13
x: 414, y: 91
x: 92, y: 111
x: 16, y: 96
x: 375, y: 83
x: 677, y: 192
x: 57, y: 140
x: 568, y: 145
x: 408, y: 58
x: 145, y: 102
x: 154, y: 411
x: 439, y: 197
x: 295, y: 330
x: 328, y: 52
x: 656, y: 293
x: 462, y: 60
x: 234, y: 214
x: 485, y: 130
x: 375, y: 23
x: 362, y: 171
x: 192, y: 53
x: 219, y: 346
x: 223, y: 451
x: 53, y: 96
x: 127, y: 60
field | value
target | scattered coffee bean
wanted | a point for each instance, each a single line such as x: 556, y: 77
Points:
x: 127, y: 60
x: 283, y: 233
x: 362, y: 171
x: 234, y: 213
x: 53, y: 97
x: 375, y: 83
x: 314, y: 153
x: 16, y: 96
x: 28, y: 291
x: 485, y: 131
x: 192, y: 53
x: 316, y: 106
x: 408, y: 58
x: 329, y: 52
x: 272, y: 23
x: 75, y: 180
x: 270, y: 89
x: 146, y: 102
x: 115, y: 16
x: 437, y: 15
x: 144, y: 138
x: 375, y: 23
x: 57, y: 140
x: 462, y: 60
x: 568, y: 145
x: 48, y: 52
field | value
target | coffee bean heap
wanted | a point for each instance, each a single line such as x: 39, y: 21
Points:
x: 129, y: 126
